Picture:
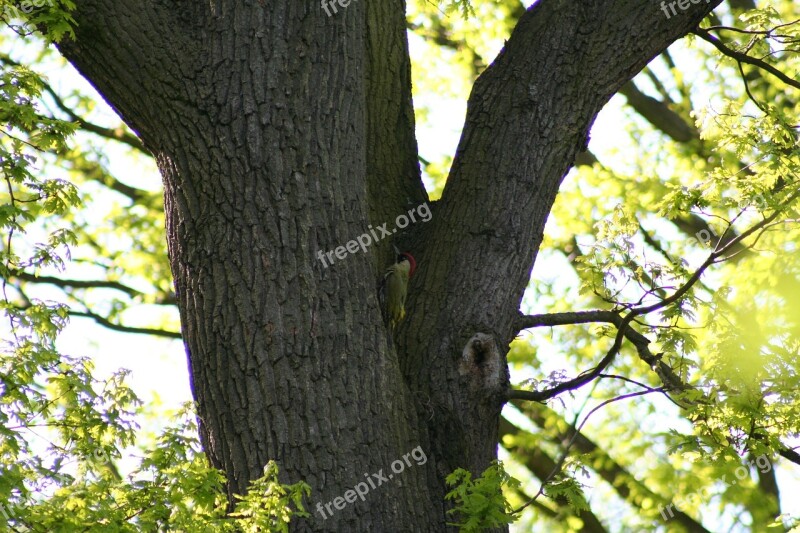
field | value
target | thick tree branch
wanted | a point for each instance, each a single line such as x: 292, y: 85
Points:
x: 87, y: 284
x: 541, y: 465
x: 790, y: 455
x: 161, y: 38
x: 126, y: 329
x: 76, y: 284
x: 114, y: 134
x: 561, y: 64
x: 594, y: 53
x: 742, y: 5
x: 617, y: 476
x: 659, y: 114
x: 768, y: 483
x: 91, y: 170
x: 585, y: 158
x: 103, y: 321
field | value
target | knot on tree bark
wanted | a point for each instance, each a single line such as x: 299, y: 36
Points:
x: 483, y: 365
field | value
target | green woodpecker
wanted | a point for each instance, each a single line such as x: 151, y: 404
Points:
x: 395, y: 287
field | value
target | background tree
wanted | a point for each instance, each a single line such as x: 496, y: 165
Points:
x: 281, y: 132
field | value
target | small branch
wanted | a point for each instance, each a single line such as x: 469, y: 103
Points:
x: 126, y: 329
x: 75, y: 283
x: 88, y: 284
x: 623, y: 323
x: 790, y: 454
x: 577, y: 431
x: 623, y: 482
x: 744, y: 58
x: 116, y: 134
x: 747, y: 88
x: 755, y: 32
x: 563, y: 319
x: 668, y: 377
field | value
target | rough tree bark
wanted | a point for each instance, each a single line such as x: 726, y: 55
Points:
x: 281, y: 132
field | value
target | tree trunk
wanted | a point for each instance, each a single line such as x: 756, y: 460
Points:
x: 282, y: 133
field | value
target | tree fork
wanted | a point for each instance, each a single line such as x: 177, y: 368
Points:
x: 261, y: 120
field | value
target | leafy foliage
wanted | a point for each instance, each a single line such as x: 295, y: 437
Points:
x: 480, y: 503
x: 51, y: 17
x: 270, y: 504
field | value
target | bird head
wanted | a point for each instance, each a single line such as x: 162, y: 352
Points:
x: 405, y: 256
